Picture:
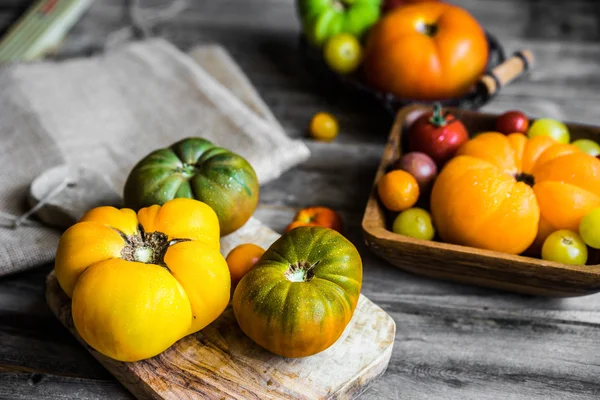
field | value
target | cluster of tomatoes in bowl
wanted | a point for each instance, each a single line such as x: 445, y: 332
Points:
x: 522, y: 188
x: 411, y: 49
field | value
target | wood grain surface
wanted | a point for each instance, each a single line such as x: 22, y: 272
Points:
x: 453, y: 342
x: 220, y: 362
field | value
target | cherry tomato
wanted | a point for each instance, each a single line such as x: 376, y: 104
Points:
x: 588, y: 146
x: 343, y: 53
x: 324, y: 126
x: 438, y: 134
x: 420, y: 166
x: 565, y: 247
x: 415, y: 223
x: 398, y: 190
x: 550, y: 127
x: 512, y: 122
x: 242, y: 259
x: 589, y: 228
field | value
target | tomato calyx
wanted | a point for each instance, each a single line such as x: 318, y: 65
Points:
x: 567, y: 241
x: 302, y: 271
x: 147, y: 247
x: 525, y: 178
x: 306, y: 217
x: 438, y: 118
x: 428, y: 29
x: 187, y: 170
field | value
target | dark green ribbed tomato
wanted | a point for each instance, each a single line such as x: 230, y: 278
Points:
x: 301, y: 294
x: 196, y: 168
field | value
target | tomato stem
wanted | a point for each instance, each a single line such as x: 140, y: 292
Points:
x: 187, y: 170
x: 526, y: 178
x: 300, y: 272
x: 143, y: 254
x: 438, y: 118
x: 146, y: 247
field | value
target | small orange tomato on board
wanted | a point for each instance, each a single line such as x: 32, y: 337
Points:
x: 398, y: 190
x: 316, y: 216
x: 324, y: 126
x: 242, y: 259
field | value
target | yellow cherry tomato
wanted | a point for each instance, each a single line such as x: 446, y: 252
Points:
x: 343, y: 53
x: 324, y: 127
x: 140, y: 282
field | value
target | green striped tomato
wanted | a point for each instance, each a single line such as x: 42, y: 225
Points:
x: 196, y: 168
x: 301, y: 294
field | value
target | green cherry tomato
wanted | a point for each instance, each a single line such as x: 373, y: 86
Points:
x: 550, y: 127
x: 565, y: 247
x: 588, y: 146
x: 414, y: 222
x: 343, y: 53
x: 589, y: 228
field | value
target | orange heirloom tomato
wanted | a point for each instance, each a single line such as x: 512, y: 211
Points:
x: 140, y: 282
x: 242, y: 259
x: 426, y: 51
x: 317, y: 216
x: 502, y: 192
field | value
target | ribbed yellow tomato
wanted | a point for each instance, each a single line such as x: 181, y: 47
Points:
x: 140, y: 282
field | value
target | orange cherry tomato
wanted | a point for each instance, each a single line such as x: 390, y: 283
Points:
x: 242, y: 259
x: 398, y: 190
x: 317, y: 216
x: 324, y: 127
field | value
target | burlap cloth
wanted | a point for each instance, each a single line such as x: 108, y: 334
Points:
x: 107, y: 112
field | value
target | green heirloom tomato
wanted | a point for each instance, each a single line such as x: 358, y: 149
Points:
x: 322, y: 19
x: 301, y: 295
x: 196, y: 168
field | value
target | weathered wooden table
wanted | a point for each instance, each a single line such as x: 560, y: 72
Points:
x: 452, y: 341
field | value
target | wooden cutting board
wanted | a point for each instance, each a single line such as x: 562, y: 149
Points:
x: 220, y: 362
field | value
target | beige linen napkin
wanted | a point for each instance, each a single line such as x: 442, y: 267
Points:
x: 107, y: 112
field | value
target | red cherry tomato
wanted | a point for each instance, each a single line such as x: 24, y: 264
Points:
x: 512, y: 122
x: 437, y: 134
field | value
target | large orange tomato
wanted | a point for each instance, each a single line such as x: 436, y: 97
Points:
x: 426, y: 51
x: 501, y: 192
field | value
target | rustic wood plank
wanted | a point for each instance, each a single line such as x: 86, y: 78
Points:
x: 15, y: 385
x: 458, y: 356
x: 221, y: 362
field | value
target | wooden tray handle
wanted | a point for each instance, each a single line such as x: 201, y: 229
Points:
x: 506, y: 72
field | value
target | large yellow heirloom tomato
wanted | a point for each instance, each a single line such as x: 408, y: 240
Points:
x: 140, y: 282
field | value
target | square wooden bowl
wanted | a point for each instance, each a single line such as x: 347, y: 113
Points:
x: 466, y: 264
